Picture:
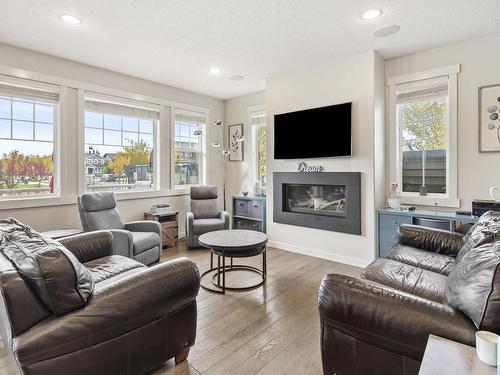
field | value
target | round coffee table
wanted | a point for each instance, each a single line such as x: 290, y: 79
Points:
x: 236, y: 243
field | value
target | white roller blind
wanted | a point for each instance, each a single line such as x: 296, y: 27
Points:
x: 101, y: 103
x: 258, y: 118
x: 190, y: 116
x: 423, y: 89
x: 28, y: 89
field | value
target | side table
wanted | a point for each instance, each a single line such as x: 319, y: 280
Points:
x: 446, y: 357
x: 169, y: 226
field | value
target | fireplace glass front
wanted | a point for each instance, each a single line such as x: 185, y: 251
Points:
x: 324, y: 200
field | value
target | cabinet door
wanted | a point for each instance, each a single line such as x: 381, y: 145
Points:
x: 255, y: 209
x: 240, y: 207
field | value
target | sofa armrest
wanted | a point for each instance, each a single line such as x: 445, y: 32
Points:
x: 388, y: 318
x: 145, y: 226
x: 116, y: 309
x: 430, y: 239
x: 224, y: 215
x: 90, y: 245
x: 123, y: 242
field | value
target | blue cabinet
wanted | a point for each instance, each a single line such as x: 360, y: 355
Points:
x: 388, y: 221
x: 249, y: 212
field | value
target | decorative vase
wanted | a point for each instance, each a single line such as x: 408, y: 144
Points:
x: 394, y: 203
x: 394, y: 200
x: 244, y: 190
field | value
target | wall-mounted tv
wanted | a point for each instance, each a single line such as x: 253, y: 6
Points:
x: 313, y: 133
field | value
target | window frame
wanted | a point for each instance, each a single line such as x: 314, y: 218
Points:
x: 450, y: 199
x: 252, y: 112
x: 69, y: 180
x: 59, y: 112
x: 202, y: 162
x: 139, y: 193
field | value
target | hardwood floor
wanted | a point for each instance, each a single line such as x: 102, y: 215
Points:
x: 273, y: 329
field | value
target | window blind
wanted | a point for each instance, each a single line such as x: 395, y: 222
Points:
x: 423, y: 89
x: 183, y: 115
x: 28, y: 89
x: 113, y: 105
x: 258, y: 118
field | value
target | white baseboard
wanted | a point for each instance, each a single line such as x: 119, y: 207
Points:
x: 319, y: 254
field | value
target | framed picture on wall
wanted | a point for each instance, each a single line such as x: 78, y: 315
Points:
x: 489, y: 118
x: 235, y: 139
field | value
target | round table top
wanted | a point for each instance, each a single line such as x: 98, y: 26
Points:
x: 236, y: 240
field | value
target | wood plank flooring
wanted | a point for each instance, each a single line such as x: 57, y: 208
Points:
x: 273, y: 329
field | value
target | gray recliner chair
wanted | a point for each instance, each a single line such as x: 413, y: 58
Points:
x: 205, y: 215
x: 139, y: 240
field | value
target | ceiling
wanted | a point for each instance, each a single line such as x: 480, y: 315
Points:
x: 177, y: 42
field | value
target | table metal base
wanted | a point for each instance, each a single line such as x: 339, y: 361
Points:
x: 219, y: 277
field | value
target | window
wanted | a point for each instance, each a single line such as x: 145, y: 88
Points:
x: 258, y: 122
x: 120, y: 144
x: 425, y: 119
x: 28, y: 121
x: 188, y: 132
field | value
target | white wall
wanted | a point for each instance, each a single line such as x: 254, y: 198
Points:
x: 480, y: 65
x: 352, y: 79
x: 236, y: 112
x: 65, y: 216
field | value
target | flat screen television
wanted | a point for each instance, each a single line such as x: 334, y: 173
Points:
x: 313, y: 133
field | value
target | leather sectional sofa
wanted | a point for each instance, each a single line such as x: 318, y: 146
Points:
x: 72, y: 307
x: 430, y: 282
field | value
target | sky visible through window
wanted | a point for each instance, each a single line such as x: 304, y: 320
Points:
x: 26, y: 126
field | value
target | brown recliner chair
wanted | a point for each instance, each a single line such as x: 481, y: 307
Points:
x: 431, y: 282
x: 72, y: 307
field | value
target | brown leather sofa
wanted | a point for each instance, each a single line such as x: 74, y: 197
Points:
x: 72, y: 307
x: 430, y: 282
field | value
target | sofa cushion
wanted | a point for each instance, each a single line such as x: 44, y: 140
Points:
x: 472, y: 237
x: 201, y: 226
x: 94, y: 202
x: 144, y: 241
x: 110, y: 267
x: 407, y: 278
x: 205, y: 208
x: 474, y: 284
x: 61, y: 282
x: 426, y: 260
x: 204, y: 192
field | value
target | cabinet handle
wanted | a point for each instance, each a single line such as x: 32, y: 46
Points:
x: 395, y: 222
x: 394, y: 236
x: 242, y: 204
x: 256, y: 205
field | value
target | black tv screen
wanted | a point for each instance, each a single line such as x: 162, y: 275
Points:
x: 313, y: 133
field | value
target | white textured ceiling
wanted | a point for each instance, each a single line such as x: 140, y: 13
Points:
x: 176, y: 42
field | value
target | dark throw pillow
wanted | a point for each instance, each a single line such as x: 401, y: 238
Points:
x: 473, y: 286
x: 60, y: 280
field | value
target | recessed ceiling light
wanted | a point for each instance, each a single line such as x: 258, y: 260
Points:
x: 70, y: 19
x: 214, y: 70
x: 370, y: 14
x: 386, y: 30
x: 237, y: 77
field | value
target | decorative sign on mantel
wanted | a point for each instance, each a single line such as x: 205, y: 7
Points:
x: 304, y: 167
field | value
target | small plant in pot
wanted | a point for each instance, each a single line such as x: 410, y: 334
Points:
x: 394, y: 200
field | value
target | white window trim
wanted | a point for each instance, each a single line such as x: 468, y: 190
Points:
x: 61, y: 113
x: 157, y: 133
x: 450, y: 199
x: 252, y: 110
x: 203, y: 163
x: 66, y: 197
